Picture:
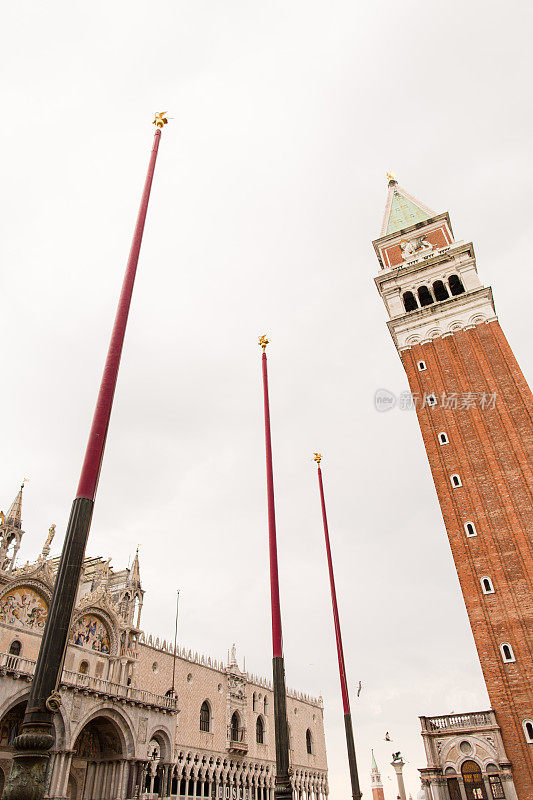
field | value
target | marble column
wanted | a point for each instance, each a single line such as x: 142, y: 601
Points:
x: 170, y: 772
x: 122, y: 782
x: 89, y: 775
x: 95, y: 781
x: 119, y: 791
x: 141, y: 774
x: 113, y: 767
x: 131, y: 771
x: 110, y: 779
x: 56, y: 770
x: 104, y: 781
x: 398, y: 765
x: 65, y: 774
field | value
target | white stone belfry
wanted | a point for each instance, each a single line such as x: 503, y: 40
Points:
x: 428, y: 281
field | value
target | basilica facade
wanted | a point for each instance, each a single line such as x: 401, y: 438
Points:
x: 139, y: 719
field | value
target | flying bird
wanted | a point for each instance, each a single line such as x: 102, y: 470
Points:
x: 359, y: 688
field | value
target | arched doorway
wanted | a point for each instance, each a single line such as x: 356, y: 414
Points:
x: 473, y: 781
x: 158, y: 773
x: 97, y: 768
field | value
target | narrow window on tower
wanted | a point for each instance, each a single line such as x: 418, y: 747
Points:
x: 421, y: 366
x: 455, y: 284
x: 409, y: 301
x: 507, y: 653
x: 487, y: 585
x: 456, y: 480
x: 528, y: 729
x: 431, y: 400
x: 424, y: 295
x: 470, y: 529
x: 443, y: 438
x: 440, y: 291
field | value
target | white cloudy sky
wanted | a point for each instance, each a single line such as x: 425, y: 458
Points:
x: 269, y: 189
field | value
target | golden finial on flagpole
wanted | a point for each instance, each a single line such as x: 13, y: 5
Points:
x: 160, y: 119
x: 263, y: 341
x: 391, y: 177
x: 318, y: 458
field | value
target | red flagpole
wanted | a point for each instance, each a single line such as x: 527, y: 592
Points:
x: 97, y: 438
x: 352, y: 763
x: 28, y: 778
x: 283, y: 789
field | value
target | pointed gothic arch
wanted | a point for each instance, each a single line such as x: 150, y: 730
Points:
x: 205, y: 717
x: 235, y: 727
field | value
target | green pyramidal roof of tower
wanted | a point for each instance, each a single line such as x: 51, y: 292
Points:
x: 402, y: 210
x: 404, y: 213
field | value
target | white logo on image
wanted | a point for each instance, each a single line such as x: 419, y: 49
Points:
x: 384, y: 400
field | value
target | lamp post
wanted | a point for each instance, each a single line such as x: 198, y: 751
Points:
x: 352, y: 763
x: 283, y: 789
x: 27, y: 780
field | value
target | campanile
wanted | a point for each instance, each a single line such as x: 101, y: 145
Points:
x: 475, y: 412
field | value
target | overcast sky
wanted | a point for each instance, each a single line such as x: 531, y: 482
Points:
x: 269, y: 189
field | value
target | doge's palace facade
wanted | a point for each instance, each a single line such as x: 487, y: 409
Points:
x: 122, y: 730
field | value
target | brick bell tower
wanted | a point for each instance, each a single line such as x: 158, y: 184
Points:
x: 377, y: 785
x: 475, y: 412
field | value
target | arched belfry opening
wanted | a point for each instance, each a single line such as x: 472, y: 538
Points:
x: 424, y: 296
x: 409, y: 301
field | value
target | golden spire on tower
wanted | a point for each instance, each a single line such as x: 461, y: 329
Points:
x: 263, y: 341
x: 317, y: 457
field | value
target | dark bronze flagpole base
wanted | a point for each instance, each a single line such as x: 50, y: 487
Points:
x: 354, y: 777
x: 29, y: 773
x: 282, y: 791
x: 282, y: 786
